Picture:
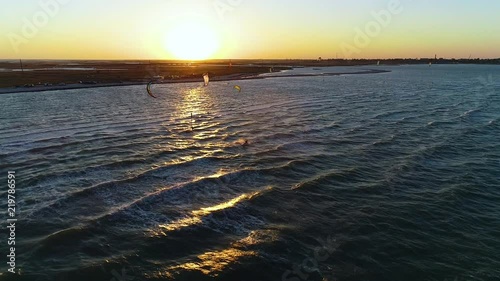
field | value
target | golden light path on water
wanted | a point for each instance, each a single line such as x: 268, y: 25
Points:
x: 192, y: 121
x: 195, y: 113
x: 196, y: 216
x: 212, y: 263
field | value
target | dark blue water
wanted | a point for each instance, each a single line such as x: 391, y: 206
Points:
x: 390, y: 176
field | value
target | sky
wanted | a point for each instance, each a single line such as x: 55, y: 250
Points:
x: 248, y: 29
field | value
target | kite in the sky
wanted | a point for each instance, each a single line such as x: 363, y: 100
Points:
x: 148, y: 88
x: 206, y: 79
x: 237, y: 88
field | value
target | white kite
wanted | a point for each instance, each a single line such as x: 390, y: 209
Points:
x: 206, y: 79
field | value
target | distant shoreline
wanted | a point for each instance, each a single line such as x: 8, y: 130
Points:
x: 26, y: 76
x: 233, y: 77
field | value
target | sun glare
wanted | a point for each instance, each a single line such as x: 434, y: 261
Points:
x: 192, y: 41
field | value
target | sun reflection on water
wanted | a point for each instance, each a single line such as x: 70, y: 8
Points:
x: 196, y: 102
x: 196, y: 124
x: 211, y: 263
x: 195, y: 217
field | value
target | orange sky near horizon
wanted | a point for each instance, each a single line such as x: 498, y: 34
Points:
x: 220, y: 29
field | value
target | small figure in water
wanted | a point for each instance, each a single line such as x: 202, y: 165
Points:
x: 242, y: 142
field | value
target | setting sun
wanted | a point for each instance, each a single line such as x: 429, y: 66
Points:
x: 192, y: 41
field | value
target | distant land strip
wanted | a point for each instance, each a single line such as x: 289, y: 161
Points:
x: 234, y: 77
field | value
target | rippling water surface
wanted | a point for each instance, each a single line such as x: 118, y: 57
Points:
x: 390, y: 176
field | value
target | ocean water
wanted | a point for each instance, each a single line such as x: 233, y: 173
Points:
x: 392, y: 176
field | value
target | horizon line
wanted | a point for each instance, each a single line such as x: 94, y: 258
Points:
x: 243, y: 59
